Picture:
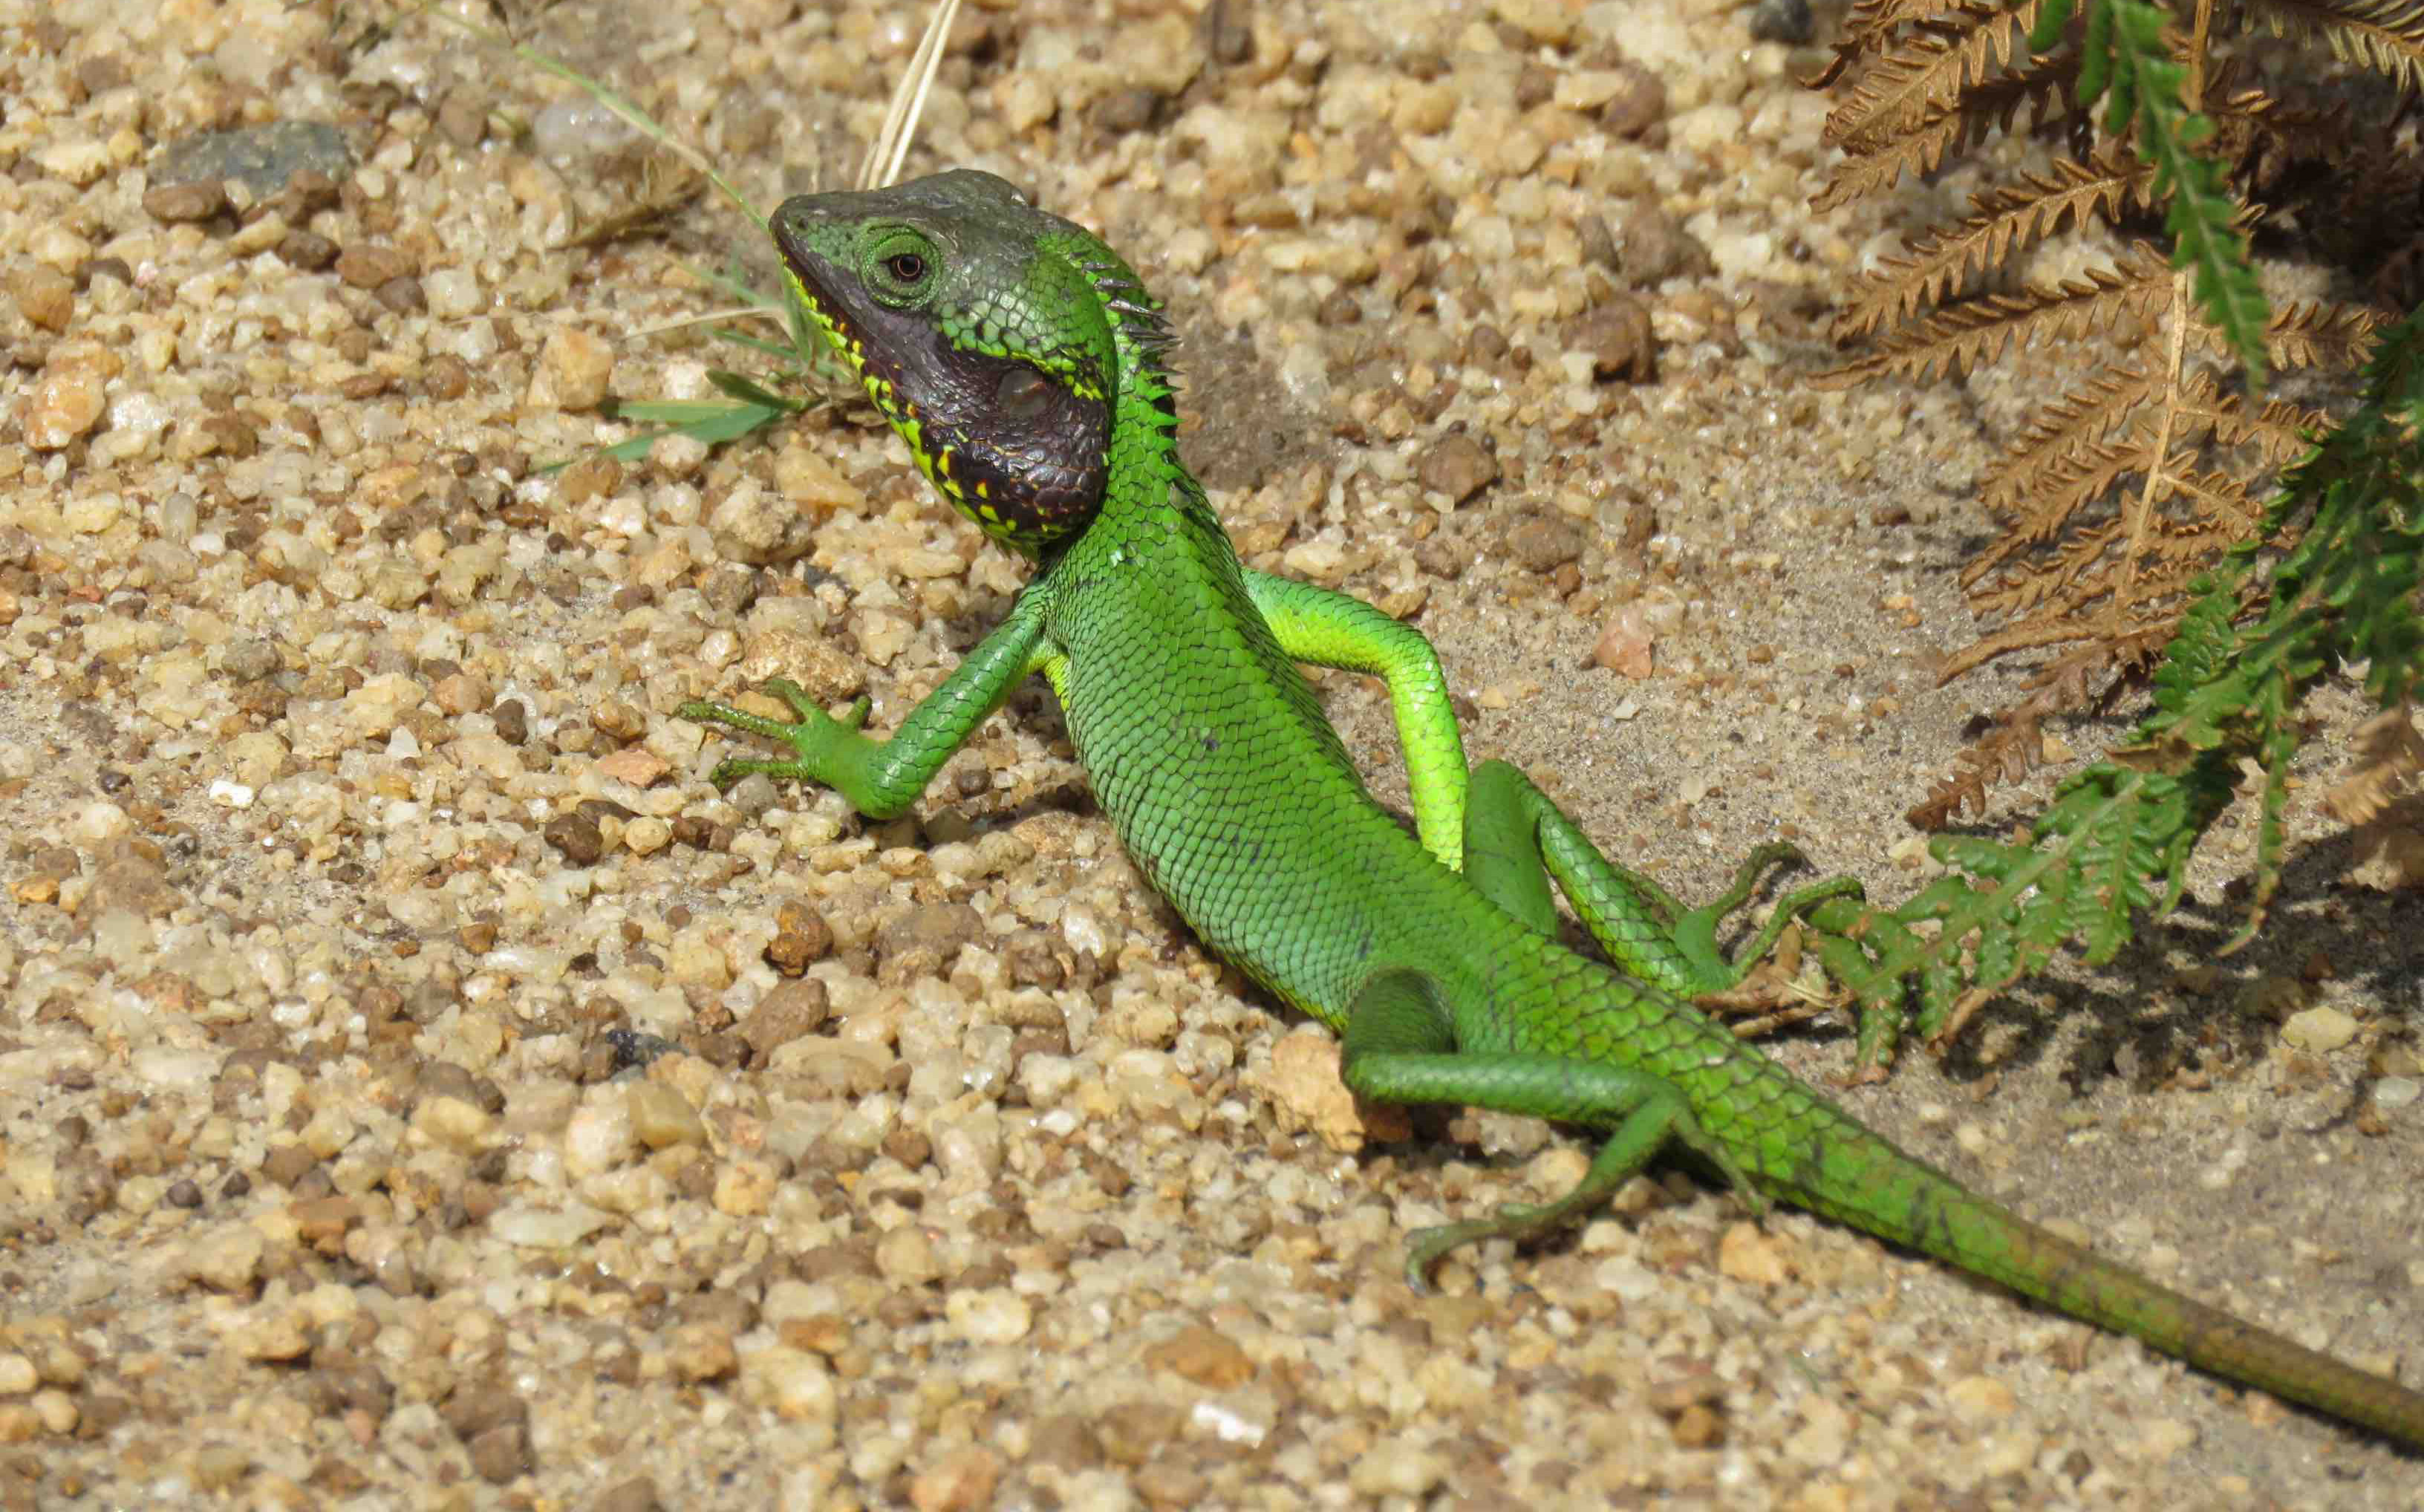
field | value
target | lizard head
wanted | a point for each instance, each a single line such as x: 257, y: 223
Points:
x: 993, y: 337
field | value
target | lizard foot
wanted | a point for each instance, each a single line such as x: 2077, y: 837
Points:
x: 812, y: 732
x: 1694, y: 931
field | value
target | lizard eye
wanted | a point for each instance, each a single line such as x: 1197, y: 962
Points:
x: 899, y: 269
x: 1022, y: 394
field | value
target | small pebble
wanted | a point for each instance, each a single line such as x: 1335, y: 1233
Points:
x: 2318, y: 1030
x: 661, y: 1117
x: 993, y: 1315
x: 1456, y: 466
x: 701, y: 1352
x: 453, y: 1123
x: 63, y: 405
x: 795, y: 1384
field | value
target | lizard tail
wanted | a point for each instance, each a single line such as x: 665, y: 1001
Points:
x: 1938, y: 1215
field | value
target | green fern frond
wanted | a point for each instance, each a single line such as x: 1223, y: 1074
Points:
x: 2127, y: 57
x: 2117, y: 837
x: 2276, y: 744
x: 2053, y: 18
x: 2177, y: 562
x: 2362, y: 555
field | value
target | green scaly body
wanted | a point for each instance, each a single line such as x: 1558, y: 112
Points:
x: 1021, y: 359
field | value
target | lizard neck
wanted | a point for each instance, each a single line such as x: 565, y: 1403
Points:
x: 1149, y: 496
x: 1146, y: 478
x: 1151, y: 502
x: 1147, y: 488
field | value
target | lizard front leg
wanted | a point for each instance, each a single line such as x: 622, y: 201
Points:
x: 1325, y: 629
x: 882, y: 778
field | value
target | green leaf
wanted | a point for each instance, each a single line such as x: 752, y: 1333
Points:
x: 708, y: 422
x: 749, y: 393
x: 2096, y: 53
x: 774, y: 349
x: 2201, y: 213
x: 2052, y: 16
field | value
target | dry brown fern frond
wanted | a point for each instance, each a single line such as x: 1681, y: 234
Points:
x: 2221, y: 497
x: 2071, y: 425
x: 1870, y: 23
x: 2389, y: 848
x: 2268, y: 136
x: 2281, y: 430
x: 2089, y: 678
x: 2310, y: 334
x: 2038, y: 634
x: 1959, y: 337
x: 2001, y: 224
x: 1873, y: 18
x: 2114, y: 495
x: 2041, y: 87
x: 2389, y: 822
x: 2068, y: 480
x: 2078, y: 574
x: 2390, y: 755
x: 2076, y: 594
x: 1925, y: 73
x: 1872, y: 26
x: 2063, y: 579
x: 2387, y: 35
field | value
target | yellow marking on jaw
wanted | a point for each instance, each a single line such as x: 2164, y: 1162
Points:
x: 936, y: 465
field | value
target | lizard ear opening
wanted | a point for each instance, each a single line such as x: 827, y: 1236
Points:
x: 1022, y: 394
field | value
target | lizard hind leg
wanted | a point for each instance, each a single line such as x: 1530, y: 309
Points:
x: 1516, y: 838
x: 1400, y: 1047
x: 1659, y: 1115
x: 1502, y: 846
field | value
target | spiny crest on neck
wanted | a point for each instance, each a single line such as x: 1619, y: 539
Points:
x: 1140, y: 329
x: 1132, y: 308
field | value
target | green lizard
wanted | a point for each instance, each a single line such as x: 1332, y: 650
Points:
x: 1024, y: 364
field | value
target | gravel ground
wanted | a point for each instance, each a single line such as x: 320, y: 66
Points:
x: 353, y: 855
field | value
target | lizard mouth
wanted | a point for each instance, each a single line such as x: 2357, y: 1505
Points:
x: 819, y: 283
x: 877, y: 344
